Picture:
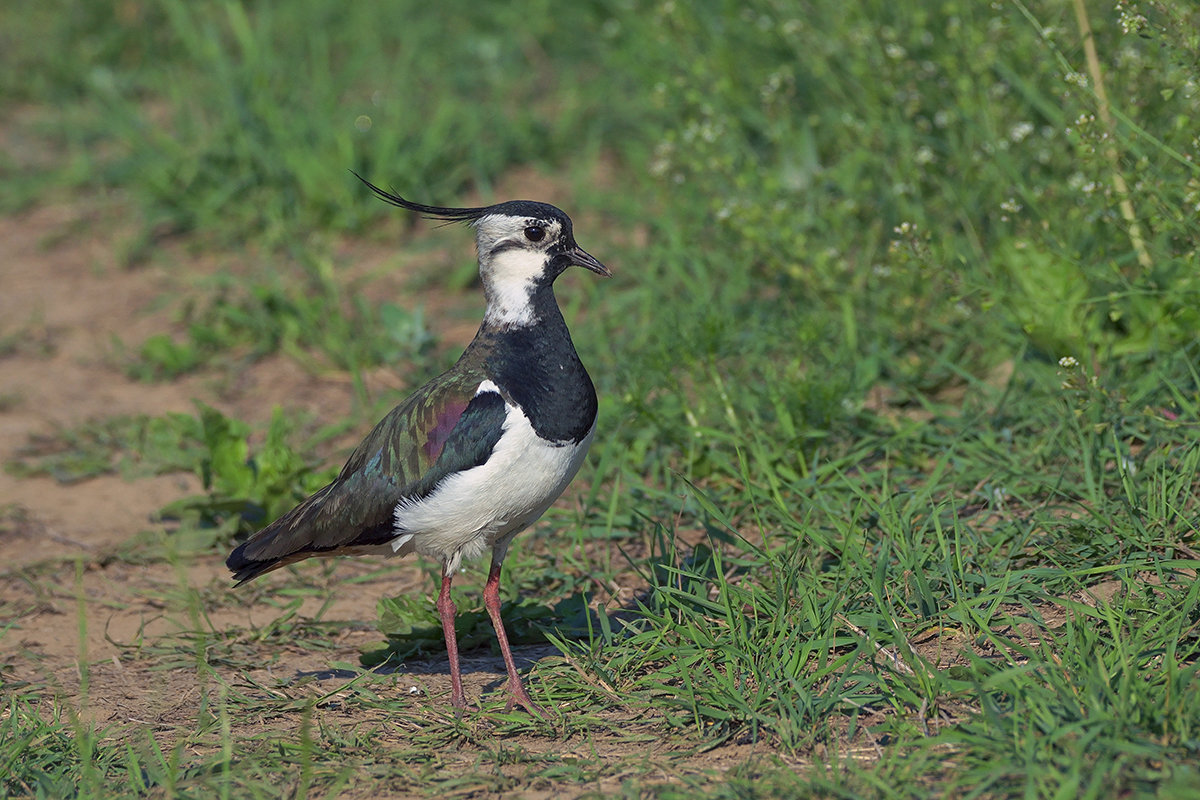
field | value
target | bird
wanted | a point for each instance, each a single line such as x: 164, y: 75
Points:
x: 477, y: 454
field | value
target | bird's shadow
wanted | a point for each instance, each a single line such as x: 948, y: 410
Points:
x: 414, y: 631
x: 415, y: 642
x: 479, y: 660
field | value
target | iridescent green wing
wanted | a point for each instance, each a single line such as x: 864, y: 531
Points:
x: 444, y: 428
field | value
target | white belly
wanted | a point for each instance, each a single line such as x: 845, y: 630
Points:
x: 470, y: 511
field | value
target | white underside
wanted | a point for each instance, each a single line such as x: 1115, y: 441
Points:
x: 483, y: 507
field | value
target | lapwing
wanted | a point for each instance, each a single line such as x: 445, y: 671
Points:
x: 480, y: 452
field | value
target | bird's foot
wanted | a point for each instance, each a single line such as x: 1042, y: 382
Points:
x: 459, y: 702
x: 517, y: 696
x: 465, y: 712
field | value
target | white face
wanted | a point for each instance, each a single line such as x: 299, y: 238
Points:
x: 513, y: 254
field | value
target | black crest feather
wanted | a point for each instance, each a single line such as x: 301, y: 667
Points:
x: 432, y: 212
x: 513, y: 208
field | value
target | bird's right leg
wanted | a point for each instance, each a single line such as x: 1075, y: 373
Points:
x: 447, y: 611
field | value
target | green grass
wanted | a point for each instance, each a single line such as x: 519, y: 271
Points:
x: 305, y: 313
x: 900, y: 409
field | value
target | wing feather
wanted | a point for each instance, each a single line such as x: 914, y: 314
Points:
x: 446, y: 427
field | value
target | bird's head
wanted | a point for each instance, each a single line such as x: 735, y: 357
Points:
x: 523, y: 246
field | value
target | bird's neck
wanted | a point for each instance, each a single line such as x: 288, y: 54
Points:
x: 536, y: 366
x: 535, y: 341
x: 520, y: 304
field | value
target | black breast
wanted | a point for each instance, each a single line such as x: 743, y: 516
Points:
x: 537, y: 367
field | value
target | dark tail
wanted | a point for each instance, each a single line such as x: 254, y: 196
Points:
x: 286, y: 540
x: 245, y: 568
x: 331, y: 522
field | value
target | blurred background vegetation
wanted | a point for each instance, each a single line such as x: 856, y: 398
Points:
x: 905, y: 314
x: 767, y: 150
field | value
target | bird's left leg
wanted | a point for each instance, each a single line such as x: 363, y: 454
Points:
x: 491, y: 600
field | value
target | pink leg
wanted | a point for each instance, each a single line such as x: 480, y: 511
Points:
x: 516, y: 690
x: 446, y: 610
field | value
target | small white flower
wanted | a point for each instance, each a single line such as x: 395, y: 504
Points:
x: 1132, y: 21
x: 1068, y: 362
x: 1020, y: 131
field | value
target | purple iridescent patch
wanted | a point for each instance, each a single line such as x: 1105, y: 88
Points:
x: 436, y: 436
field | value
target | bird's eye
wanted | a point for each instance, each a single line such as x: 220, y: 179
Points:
x: 535, y: 233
